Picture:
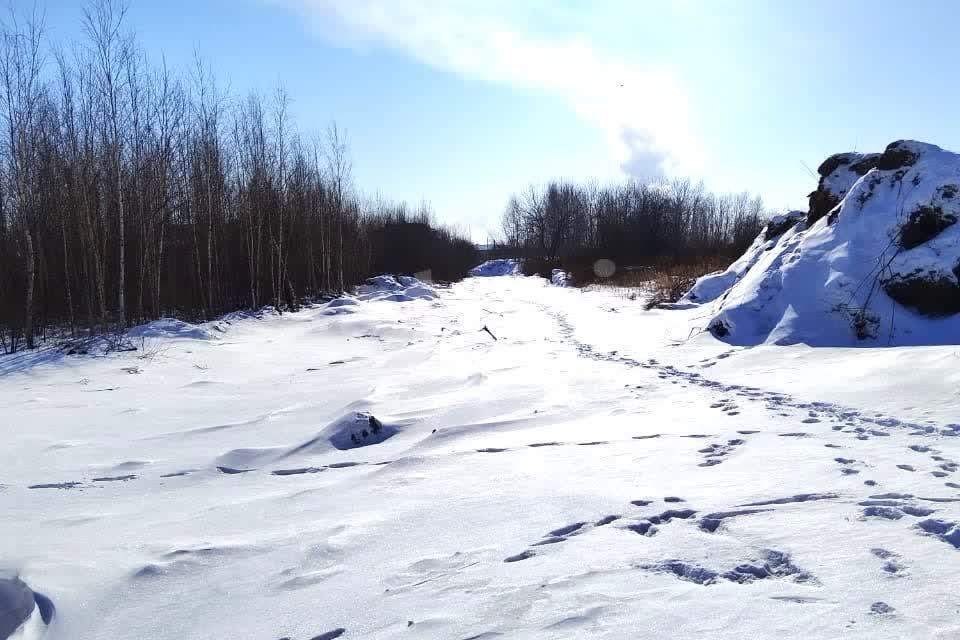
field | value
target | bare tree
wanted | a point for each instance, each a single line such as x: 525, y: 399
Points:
x: 112, y: 48
x: 21, y: 63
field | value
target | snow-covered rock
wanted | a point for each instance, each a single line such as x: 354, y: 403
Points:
x: 350, y: 432
x: 878, y: 267
x: 493, y: 268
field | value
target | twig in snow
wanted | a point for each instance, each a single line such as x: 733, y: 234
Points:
x: 487, y: 329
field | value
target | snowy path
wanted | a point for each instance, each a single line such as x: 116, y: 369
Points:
x: 587, y: 474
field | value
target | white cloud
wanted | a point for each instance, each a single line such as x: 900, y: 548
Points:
x: 642, y: 108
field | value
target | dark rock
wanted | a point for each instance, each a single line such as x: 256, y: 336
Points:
x: 896, y: 156
x: 925, y: 224
x: 931, y: 293
x: 821, y: 202
x: 781, y: 224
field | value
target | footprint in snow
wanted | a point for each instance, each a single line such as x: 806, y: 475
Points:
x: 881, y: 609
x: 115, y: 478
x: 56, y: 485
x: 297, y: 471
x: 520, y: 556
x: 232, y: 471
x: 891, y: 562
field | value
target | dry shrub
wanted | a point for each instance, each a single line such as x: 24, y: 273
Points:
x: 671, y: 281
x: 662, y: 282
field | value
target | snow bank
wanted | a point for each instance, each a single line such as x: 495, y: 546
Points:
x: 876, y: 262
x: 395, y: 289
x: 493, y: 268
x: 170, y: 328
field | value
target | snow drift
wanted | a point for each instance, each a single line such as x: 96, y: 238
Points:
x: 875, y: 261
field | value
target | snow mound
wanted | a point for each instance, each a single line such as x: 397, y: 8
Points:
x: 493, y: 268
x: 170, y: 328
x: 349, y: 432
x: 394, y: 289
x: 344, y: 305
x: 876, y: 262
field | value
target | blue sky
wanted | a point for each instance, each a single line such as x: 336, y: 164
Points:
x: 462, y: 102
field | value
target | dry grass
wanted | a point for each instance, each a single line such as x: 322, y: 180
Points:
x: 657, y: 284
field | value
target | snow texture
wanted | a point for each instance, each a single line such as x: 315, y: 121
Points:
x: 879, y: 269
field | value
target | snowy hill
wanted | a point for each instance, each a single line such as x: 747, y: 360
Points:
x: 874, y: 262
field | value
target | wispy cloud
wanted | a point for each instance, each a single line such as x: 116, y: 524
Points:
x: 642, y: 108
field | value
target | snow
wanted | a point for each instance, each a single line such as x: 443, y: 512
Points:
x: 493, y: 268
x: 395, y: 289
x: 560, y: 278
x: 170, y: 328
x: 860, y: 275
x: 711, y: 286
x: 596, y: 471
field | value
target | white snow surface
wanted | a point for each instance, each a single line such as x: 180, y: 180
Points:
x: 593, y: 472
x: 813, y: 285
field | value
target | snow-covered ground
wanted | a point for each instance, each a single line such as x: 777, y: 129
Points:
x: 584, y: 468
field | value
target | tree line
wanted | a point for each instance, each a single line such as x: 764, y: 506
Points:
x: 635, y: 222
x: 129, y: 191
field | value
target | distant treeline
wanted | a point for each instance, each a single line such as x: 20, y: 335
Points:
x: 129, y: 191
x: 631, y: 223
